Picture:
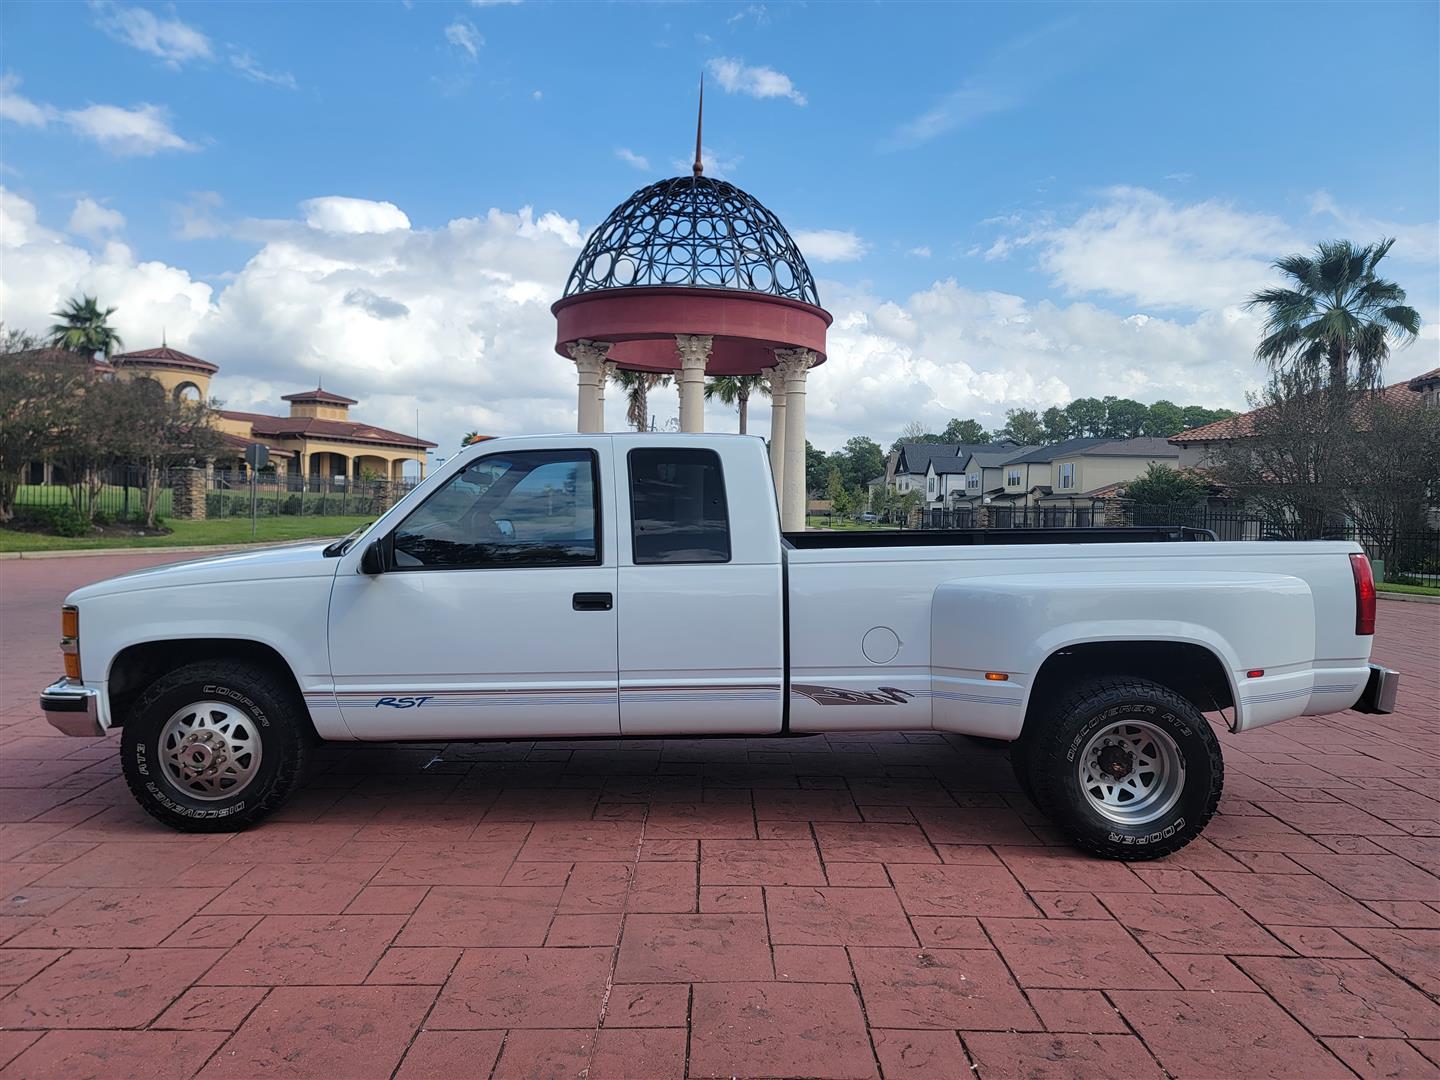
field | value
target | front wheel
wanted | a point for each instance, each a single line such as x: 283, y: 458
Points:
x: 1126, y: 768
x: 213, y: 747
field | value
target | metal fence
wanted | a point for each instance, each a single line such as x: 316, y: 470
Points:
x: 1412, y: 556
x: 121, y: 495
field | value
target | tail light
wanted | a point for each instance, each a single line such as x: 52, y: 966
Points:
x: 1364, y: 594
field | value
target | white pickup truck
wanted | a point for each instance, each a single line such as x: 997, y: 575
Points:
x: 618, y: 585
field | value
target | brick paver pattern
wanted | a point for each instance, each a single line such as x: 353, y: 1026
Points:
x: 842, y: 907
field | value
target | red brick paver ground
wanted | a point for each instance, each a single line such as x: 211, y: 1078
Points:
x: 860, y: 906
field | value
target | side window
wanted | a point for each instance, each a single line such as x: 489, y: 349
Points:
x: 677, y: 507
x: 533, y: 508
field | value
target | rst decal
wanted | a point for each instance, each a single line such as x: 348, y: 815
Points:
x: 833, y: 695
x: 404, y: 702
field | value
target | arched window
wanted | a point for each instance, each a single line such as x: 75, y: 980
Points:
x: 187, y: 392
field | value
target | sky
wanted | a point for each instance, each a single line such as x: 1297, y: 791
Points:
x: 1004, y: 206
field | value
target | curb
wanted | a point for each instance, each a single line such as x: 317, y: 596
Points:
x: 158, y: 549
x: 1407, y: 598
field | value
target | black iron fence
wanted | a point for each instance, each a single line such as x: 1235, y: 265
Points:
x: 119, y: 494
x: 1412, y: 556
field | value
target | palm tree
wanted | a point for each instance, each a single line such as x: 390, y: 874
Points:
x: 1333, y: 311
x: 637, y: 385
x: 83, y: 329
x: 737, y: 388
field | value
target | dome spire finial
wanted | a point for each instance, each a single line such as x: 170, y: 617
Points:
x: 699, y: 166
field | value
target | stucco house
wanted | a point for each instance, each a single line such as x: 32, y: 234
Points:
x: 317, y: 439
x: 1063, y: 473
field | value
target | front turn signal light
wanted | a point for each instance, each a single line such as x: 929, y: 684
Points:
x: 70, y: 640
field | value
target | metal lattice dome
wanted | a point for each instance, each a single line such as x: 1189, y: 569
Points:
x: 693, y: 231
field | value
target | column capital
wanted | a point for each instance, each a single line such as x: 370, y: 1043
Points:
x: 794, y: 363
x: 775, y: 380
x: 589, y: 356
x: 694, y: 349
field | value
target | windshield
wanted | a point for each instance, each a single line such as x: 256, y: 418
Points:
x: 345, y: 543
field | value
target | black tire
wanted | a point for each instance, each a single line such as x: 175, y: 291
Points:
x: 1020, y: 765
x: 268, y: 709
x: 1091, y: 708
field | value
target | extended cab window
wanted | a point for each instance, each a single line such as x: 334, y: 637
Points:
x: 532, y: 508
x: 677, y: 504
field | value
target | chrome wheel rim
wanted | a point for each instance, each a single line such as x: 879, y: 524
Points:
x: 1132, y: 773
x: 210, y: 750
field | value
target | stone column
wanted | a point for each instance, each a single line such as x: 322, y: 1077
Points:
x: 776, y: 379
x: 187, y: 495
x: 589, y: 357
x: 794, y: 363
x: 694, y: 350
x: 607, y: 372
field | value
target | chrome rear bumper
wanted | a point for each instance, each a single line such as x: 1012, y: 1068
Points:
x: 72, y: 708
x: 1379, y: 695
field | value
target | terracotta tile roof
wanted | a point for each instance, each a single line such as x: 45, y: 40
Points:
x: 324, y: 397
x: 1243, y: 426
x: 49, y: 355
x: 1425, y: 380
x: 314, y: 427
x: 164, y: 356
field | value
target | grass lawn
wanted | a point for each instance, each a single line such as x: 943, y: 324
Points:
x: 1418, y: 590
x: 223, y: 531
x: 842, y: 525
x: 111, y: 499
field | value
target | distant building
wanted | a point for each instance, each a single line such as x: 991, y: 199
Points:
x: 318, y: 439
x: 1068, y: 473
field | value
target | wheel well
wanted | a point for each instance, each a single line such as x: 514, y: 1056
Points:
x: 137, y: 666
x: 1192, y: 671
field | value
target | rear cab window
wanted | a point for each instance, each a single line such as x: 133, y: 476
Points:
x: 677, y: 506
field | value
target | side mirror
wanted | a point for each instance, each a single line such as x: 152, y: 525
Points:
x: 372, y: 560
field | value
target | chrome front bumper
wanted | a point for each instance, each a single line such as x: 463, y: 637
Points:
x: 1379, y: 695
x: 72, y: 708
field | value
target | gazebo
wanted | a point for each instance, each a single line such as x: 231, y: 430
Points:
x: 692, y: 276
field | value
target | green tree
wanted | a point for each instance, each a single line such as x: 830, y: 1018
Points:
x: 737, y: 390
x: 860, y: 460
x: 964, y: 431
x: 158, y: 432
x: 817, y: 469
x: 1056, y: 424
x: 637, y: 386
x: 39, y: 390
x: 1334, y: 316
x: 1198, y: 416
x: 1022, y: 425
x: 1164, y: 486
x: 1389, y: 476
x: 1163, y: 419
x: 838, y: 493
x: 1087, y: 417
x: 1124, y: 418
x: 84, y: 328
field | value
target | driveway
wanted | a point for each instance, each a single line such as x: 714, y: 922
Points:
x: 856, y: 906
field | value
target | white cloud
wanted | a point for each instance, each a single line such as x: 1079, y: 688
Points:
x: 829, y: 245
x: 455, y: 320
x: 171, y: 40
x: 137, y: 132
x: 631, y: 158
x: 341, y: 214
x: 921, y: 252
x: 713, y: 163
x: 195, y: 218
x: 494, y: 3
x: 463, y: 35
x: 758, y: 82
x: 92, y: 220
x: 1140, y: 246
x: 19, y: 109
x: 1417, y: 243
x: 248, y: 66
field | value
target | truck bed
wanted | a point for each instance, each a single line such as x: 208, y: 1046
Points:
x: 820, y: 539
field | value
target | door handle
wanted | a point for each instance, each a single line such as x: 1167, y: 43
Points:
x: 592, y: 601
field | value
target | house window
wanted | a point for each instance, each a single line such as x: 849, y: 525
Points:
x: 972, y: 482
x: 1067, y: 475
x: 1012, y: 477
x: 932, y: 485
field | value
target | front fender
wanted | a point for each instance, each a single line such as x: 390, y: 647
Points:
x: 1011, y: 624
